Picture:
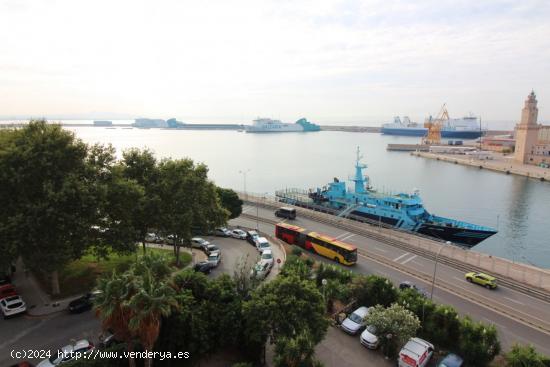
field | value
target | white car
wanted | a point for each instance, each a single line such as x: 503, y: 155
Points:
x: 13, y: 305
x: 68, y: 353
x: 222, y: 232
x: 239, y: 234
x: 198, y: 242
x: 262, y: 244
x: 260, y: 270
x: 369, y: 338
x: 214, y: 258
x: 355, y: 321
x: 267, y: 257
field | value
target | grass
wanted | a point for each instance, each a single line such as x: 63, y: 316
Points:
x: 80, y: 276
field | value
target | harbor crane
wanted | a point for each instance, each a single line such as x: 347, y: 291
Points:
x: 434, y: 126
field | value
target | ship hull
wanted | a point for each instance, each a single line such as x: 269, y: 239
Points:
x: 404, y: 132
x: 463, y: 236
x: 452, y: 134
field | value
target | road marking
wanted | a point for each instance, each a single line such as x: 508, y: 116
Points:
x: 399, y: 257
x: 513, y: 300
x: 342, y: 235
x: 379, y: 249
x: 459, y: 279
x: 409, y: 259
x: 247, y: 209
x: 347, y: 237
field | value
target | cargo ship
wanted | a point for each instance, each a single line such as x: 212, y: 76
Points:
x: 266, y: 125
x: 467, y: 127
x: 402, y: 211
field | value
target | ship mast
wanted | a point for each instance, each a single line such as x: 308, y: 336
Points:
x: 359, y: 181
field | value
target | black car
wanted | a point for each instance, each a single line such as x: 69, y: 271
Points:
x: 251, y: 236
x: 409, y: 285
x: 83, y: 303
x: 204, y: 267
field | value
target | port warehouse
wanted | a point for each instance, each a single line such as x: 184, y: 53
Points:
x: 520, y: 275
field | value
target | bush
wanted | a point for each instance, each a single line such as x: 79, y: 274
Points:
x: 525, y: 356
x: 296, y: 251
x: 478, y: 342
x: 373, y: 290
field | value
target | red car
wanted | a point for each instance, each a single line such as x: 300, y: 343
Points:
x: 7, y: 290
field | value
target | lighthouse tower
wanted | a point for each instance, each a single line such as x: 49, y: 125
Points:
x: 527, y: 130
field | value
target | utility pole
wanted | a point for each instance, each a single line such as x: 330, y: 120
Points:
x: 435, y: 268
x: 244, y: 172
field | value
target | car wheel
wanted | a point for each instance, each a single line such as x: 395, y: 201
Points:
x: 469, y: 279
x: 488, y: 286
x: 336, y: 259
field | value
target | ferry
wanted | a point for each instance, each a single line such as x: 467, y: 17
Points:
x: 403, y: 211
x: 467, y: 127
x: 267, y: 125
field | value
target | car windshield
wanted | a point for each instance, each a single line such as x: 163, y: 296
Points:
x: 355, y: 318
x: 56, y: 356
x: 213, y: 257
x: 213, y: 247
x: 351, y: 256
x: 264, y: 245
x: 371, y: 329
x: 267, y: 256
x: 15, y: 305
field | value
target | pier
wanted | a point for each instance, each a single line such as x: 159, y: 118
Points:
x: 408, y: 147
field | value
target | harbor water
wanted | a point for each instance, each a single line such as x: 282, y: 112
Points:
x: 518, y: 207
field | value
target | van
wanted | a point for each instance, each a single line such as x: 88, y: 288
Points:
x: 416, y: 353
x: 262, y: 244
x: 286, y: 212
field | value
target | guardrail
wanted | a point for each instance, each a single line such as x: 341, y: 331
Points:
x: 524, y: 278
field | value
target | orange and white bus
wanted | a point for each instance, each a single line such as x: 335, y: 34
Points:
x: 326, y: 246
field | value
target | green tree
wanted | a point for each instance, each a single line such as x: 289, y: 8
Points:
x: 188, y: 200
x: 297, y: 351
x: 525, y: 356
x: 373, y: 290
x: 478, y: 342
x: 142, y: 167
x: 395, y: 325
x: 230, y: 201
x: 49, y: 196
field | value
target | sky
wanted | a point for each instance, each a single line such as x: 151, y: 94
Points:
x: 232, y: 61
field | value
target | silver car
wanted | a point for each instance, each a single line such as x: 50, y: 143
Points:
x: 215, y: 258
x: 239, y: 234
x: 355, y: 321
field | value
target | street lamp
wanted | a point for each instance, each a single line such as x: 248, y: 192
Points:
x: 435, y: 268
x: 324, y: 283
x: 244, y: 172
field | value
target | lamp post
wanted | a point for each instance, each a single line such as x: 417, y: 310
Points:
x: 324, y: 283
x: 435, y: 268
x: 244, y: 172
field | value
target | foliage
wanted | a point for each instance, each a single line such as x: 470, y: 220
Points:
x: 525, y: 356
x: 102, y: 362
x: 297, y: 267
x: 245, y: 283
x: 297, y: 351
x: 478, y: 342
x: 230, y: 201
x: 373, y: 290
x: 395, y: 325
x: 296, y: 251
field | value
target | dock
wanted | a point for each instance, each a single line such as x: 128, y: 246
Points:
x: 498, y: 163
x: 408, y: 147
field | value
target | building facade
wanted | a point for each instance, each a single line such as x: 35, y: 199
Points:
x: 532, y: 139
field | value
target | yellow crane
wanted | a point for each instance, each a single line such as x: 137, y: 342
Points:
x: 434, y: 126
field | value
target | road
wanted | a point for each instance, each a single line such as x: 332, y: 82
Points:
x: 510, y: 330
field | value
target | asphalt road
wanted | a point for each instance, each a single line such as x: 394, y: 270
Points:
x: 510, y: 330
x: 45, y: 333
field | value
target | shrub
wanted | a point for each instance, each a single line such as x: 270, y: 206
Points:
x: 296, y: 251
x: 478, y: 342
x: 373, y: 290
x: 525, y: 356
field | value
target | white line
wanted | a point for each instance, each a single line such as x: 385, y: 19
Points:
x: 379, y: 249
x: 342, y: 235
x: 399, y: 257
x: 513, y: 300
x: 459, y: 279
x: 347, y: 237
x: 409, y: 259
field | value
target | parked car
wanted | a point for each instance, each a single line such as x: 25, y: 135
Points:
x: 410, y: 285
x: 267, y: 257
x: 355, y: 321
x: 260, y: 270
x: 12, y: 306
x: 451, y: 360
x: 198, y: 242
x: 67, y: 353
x: 107, y: 339
x: 483, y: 279
x: 369, y: 337
x: 152, y: 237
x: 239, y: 234
x: 215, y: 258
x: 204, y: 267
x: 210, y: 249
x: 417, y: 352
x: 262, y: 244
x: 7, y: 290
x: 84, y: 303
x: 222, y: 232
x: 4, y: 279
x: 251, y: 237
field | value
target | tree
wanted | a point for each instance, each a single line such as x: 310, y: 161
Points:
x: 49, y: 196
x: 297, y: 351
x: 478, y: 342
x: 394, y: 325
x: 230, y: 201
x: 373, y: 290
x: 525, y: 356
x: 141, y: 166
x: 188, y: 200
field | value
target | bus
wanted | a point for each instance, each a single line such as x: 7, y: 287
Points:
x: 326, y: 246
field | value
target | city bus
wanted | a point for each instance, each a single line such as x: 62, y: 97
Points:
x: 326, y: 246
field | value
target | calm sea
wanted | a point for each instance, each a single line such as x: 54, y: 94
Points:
x: 519, y: 207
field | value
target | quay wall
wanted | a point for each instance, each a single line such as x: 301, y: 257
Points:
x: 526, y: 278
x: 497, y: 165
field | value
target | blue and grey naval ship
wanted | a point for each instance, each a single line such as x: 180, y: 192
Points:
x: 403, y: 211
